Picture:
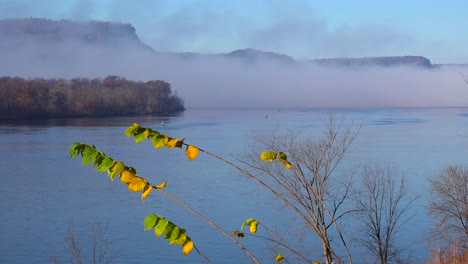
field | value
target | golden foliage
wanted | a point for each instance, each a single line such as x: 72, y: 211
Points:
x: 191, y: 152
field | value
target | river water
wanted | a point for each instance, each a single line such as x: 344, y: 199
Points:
x: 45, y: 193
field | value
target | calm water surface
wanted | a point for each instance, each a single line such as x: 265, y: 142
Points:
x: 44, y: 192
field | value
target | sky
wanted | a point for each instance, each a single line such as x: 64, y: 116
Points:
x: 299, y: 28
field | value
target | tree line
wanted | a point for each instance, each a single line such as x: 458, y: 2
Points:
x: 111, y: 96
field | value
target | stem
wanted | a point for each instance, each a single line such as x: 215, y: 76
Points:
x: 210, y: 223
x: 282, y: 244
x: 203, y: 256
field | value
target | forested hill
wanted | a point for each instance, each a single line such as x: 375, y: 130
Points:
x: 111, y: 96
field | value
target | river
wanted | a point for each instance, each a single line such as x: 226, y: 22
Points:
x: 45, y: 193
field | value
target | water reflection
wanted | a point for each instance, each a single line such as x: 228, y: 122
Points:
x: 38, y: 125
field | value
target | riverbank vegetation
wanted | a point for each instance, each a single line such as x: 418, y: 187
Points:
x: 112, y: 96
x: 321, y: 197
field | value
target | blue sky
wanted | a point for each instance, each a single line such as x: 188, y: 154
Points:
x: 299, y: 28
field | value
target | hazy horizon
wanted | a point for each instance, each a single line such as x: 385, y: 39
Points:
x: 219, y: 82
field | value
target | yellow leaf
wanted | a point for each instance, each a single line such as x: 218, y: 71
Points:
x: 163, y: 184
x: 146, y: 191
x: 191, y: 152
x: 279, y: 257
x: 286, y: 164
x: 268, y: 155
x: 147, y: 132
x: 172, y: 142
x: 187, y: 247
x: 137, y: 184
x: 126, y: 176
x: 253, y: 227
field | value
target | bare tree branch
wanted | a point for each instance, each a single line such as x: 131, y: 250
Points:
x: 448, y: 204
x: 311, y: 187
x: 383, y: 204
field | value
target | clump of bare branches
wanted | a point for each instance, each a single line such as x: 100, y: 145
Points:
x: 96, y: 250
x: 312, y: 187
x: 448, y: 204
x: 383, y: 204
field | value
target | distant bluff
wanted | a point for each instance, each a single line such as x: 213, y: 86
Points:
x: 414, y: 61
x: 20, y: 33
x: 84, y: 43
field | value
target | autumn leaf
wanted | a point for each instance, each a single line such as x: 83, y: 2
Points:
x: 286, y: 164
x: 137, y: 184
x: 279, y: 257
x: 187, y: 247
x: 118, y: 167
x: 268, y: 155
x: 146, y: 191
x: 253, y: 227
x: 172, y: 142
x: 161, y: 185
x: 191, y: 152
x: 126, y: 176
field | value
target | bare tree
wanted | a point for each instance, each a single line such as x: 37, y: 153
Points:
x: 448, y: 204
x: 383, y: 204
x: 100, y: 252
x: 311, y: 187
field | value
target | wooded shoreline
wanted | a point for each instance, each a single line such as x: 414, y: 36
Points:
x: 81, y: 97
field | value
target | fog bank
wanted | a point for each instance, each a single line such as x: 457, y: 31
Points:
x: 209, y: 81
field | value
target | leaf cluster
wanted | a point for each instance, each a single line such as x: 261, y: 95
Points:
x: 129, y: 176
x: 270, y: 156
x: 160, y: 140
x: 171, y: 231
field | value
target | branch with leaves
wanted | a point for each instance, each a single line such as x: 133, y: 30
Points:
x: 136, y: 183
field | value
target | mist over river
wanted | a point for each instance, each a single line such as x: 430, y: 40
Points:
x: 44, y: 192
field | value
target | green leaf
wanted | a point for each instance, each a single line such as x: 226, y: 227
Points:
x: 175, y: 234
x: 151, y: 221
x: 182, y: 238
x: 118, y: 168
x: 159, y: 229
x: 282, y: 156
x: 99, y: 158
x: 268, y: 155
x: 131, y: 128
x: 167, y: 232
x: 106, y: 164
x: 160, y: 140
x: 76, y: 148
x: 89, y: 153
x: 139, y: 134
